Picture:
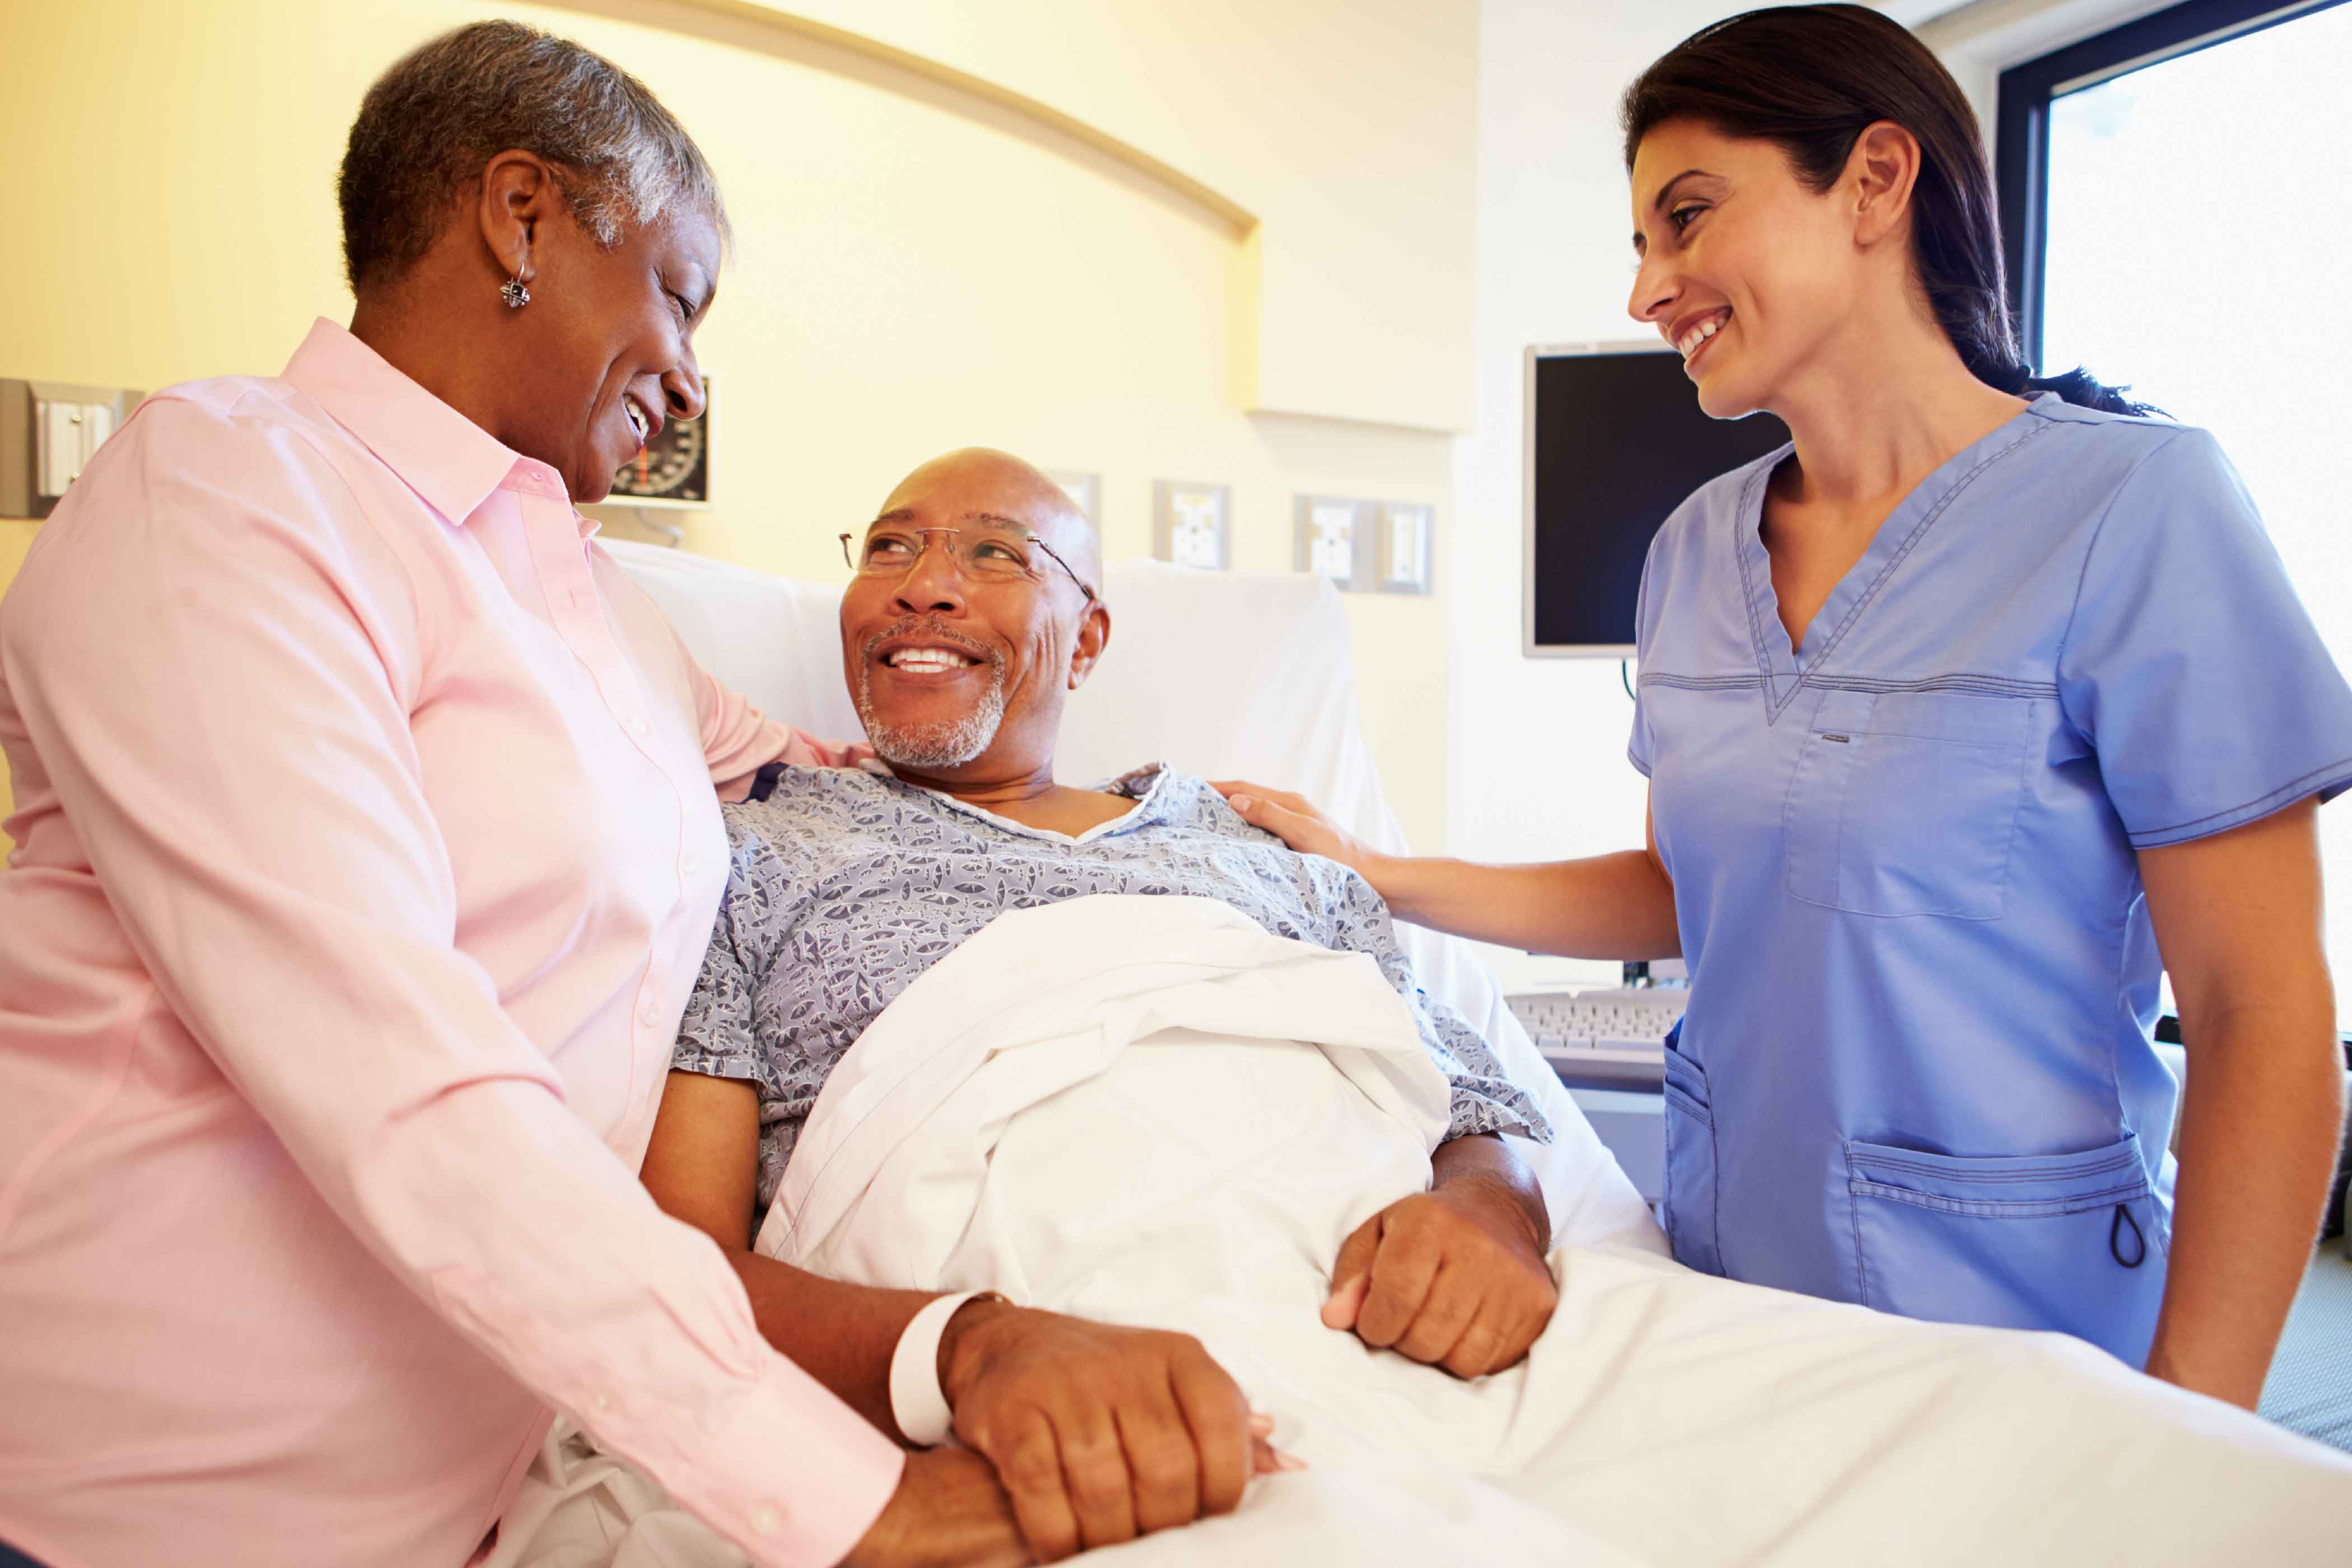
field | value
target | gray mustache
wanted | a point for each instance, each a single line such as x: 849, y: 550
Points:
x: 915, y: 626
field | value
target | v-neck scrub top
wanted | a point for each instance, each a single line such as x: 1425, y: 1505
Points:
x: 1916, y: 1071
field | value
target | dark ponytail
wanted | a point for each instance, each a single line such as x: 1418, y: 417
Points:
x: 1812, y: 78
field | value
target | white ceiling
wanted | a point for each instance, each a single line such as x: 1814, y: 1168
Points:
x: 1911, y: 13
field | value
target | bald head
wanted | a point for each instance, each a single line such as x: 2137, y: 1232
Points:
x: 998, y: 483
x: 961, y: 639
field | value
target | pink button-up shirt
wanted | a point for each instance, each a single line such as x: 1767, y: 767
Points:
x: 367, y: 850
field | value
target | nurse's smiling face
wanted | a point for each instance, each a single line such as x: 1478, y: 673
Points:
x: 1746, y: 271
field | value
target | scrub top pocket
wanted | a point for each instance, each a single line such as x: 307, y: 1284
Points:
x: 1690, y: 1207
x: 1905, y: 804
x: 2071, y: 1242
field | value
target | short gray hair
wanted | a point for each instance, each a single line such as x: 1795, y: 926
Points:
x: 431, y: 123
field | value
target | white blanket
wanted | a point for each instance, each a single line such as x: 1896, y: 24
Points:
x: 1148, y: 1111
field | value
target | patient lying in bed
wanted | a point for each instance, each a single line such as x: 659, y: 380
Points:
x: 1120, y: 1056
x: 846, y: 887
x: 972, y: 619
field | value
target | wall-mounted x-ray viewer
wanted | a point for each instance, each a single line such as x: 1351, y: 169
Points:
x: 48, y: 432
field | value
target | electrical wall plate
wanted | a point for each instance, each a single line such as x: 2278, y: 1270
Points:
x: 1405, y: 539
x: 1365, y: 546
x: 1191, y: 524
x: 1085, y: 492
x: 48, y: 432
x: 1330, y: 537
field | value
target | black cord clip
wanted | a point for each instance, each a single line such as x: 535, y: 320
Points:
x: 2116, y: 1239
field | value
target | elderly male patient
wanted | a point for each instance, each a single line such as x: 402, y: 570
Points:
x: 974, y: 613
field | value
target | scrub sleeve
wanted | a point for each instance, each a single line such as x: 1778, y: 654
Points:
x: 2190, y: 667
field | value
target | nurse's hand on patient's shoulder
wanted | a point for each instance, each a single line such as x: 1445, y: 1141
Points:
x: 1297, y: 822
x: 1455, y: 1278
x: 1098, y: 1434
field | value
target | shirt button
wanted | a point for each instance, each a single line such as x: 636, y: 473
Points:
x: 604, y: 1402
x: 767, y: 1521
x: 639, y: 728
x: 685, y: 867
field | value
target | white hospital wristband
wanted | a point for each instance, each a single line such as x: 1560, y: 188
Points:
x: 917, y: 1404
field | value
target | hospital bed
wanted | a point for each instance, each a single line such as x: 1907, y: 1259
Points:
x: 1663, y: 1416
x: 1225, y: 675
x: 1248, y: 675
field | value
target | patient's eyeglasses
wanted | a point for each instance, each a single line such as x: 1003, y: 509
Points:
x: 995, y: 556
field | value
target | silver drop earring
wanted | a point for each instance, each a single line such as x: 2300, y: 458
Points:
x: 513, y: 292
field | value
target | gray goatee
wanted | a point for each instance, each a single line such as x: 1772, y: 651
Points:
x: 950, y: 744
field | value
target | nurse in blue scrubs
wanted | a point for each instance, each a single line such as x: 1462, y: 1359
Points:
x: 1965, y: 717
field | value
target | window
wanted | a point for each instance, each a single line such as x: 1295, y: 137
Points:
x: 2173, y: 208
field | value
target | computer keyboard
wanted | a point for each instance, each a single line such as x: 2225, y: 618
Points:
x: 1614, y: 1037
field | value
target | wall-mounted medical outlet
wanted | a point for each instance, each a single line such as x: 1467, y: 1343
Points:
x: 1192, y: 524
x: 1083, y: 490
x: 1404, y: 529
x: 48, y: 432
x: 1364, y: 546
x: 1326, y: 539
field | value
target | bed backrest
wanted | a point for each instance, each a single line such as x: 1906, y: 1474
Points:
x: 1228, y: 674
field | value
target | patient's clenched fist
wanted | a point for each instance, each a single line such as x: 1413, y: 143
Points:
x: 1453, y: 1278
x: 1099, y: 1434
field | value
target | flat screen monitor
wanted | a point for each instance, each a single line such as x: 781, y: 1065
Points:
x: 1615, y: 442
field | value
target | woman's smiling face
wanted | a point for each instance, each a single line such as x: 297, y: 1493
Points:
x: 606, y: 343
x: 1744, y: 270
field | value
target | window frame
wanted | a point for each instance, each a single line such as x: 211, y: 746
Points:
x: 2022, y: 117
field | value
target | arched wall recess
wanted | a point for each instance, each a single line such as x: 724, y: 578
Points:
x: 1335, y: 141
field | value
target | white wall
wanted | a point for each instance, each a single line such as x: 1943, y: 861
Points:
x: 1539, y: 745
x: 1979, y: 41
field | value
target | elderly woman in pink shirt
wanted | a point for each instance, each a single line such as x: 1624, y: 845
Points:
x: 368, y: 847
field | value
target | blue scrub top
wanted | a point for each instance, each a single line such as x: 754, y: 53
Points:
x: 1916, y: 1069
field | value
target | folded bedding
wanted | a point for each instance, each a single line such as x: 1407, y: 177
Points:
x: 1149, y: 1110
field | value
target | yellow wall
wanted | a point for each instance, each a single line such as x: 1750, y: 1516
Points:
x: 1347, y: 128
x: 917, y: 268
x: 16, y: 538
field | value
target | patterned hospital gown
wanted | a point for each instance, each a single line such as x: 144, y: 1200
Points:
x: 847, y: 886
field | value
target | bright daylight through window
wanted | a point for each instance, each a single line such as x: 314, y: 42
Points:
x: 2197, y: 237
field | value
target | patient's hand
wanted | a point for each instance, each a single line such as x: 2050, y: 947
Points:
x: 1453, y: 1277
x: 948, y: 1511
x: 1100, y: 1434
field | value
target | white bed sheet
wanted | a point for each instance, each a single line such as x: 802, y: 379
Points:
x: 1146, y: 1051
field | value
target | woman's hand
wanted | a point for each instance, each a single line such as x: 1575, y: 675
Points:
x: 948, y: 1510
x: 1297, y: 822
x: 1098, y: 1434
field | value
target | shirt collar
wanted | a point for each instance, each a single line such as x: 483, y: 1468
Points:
x: 1151, y: 786
x: 438, y: 452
